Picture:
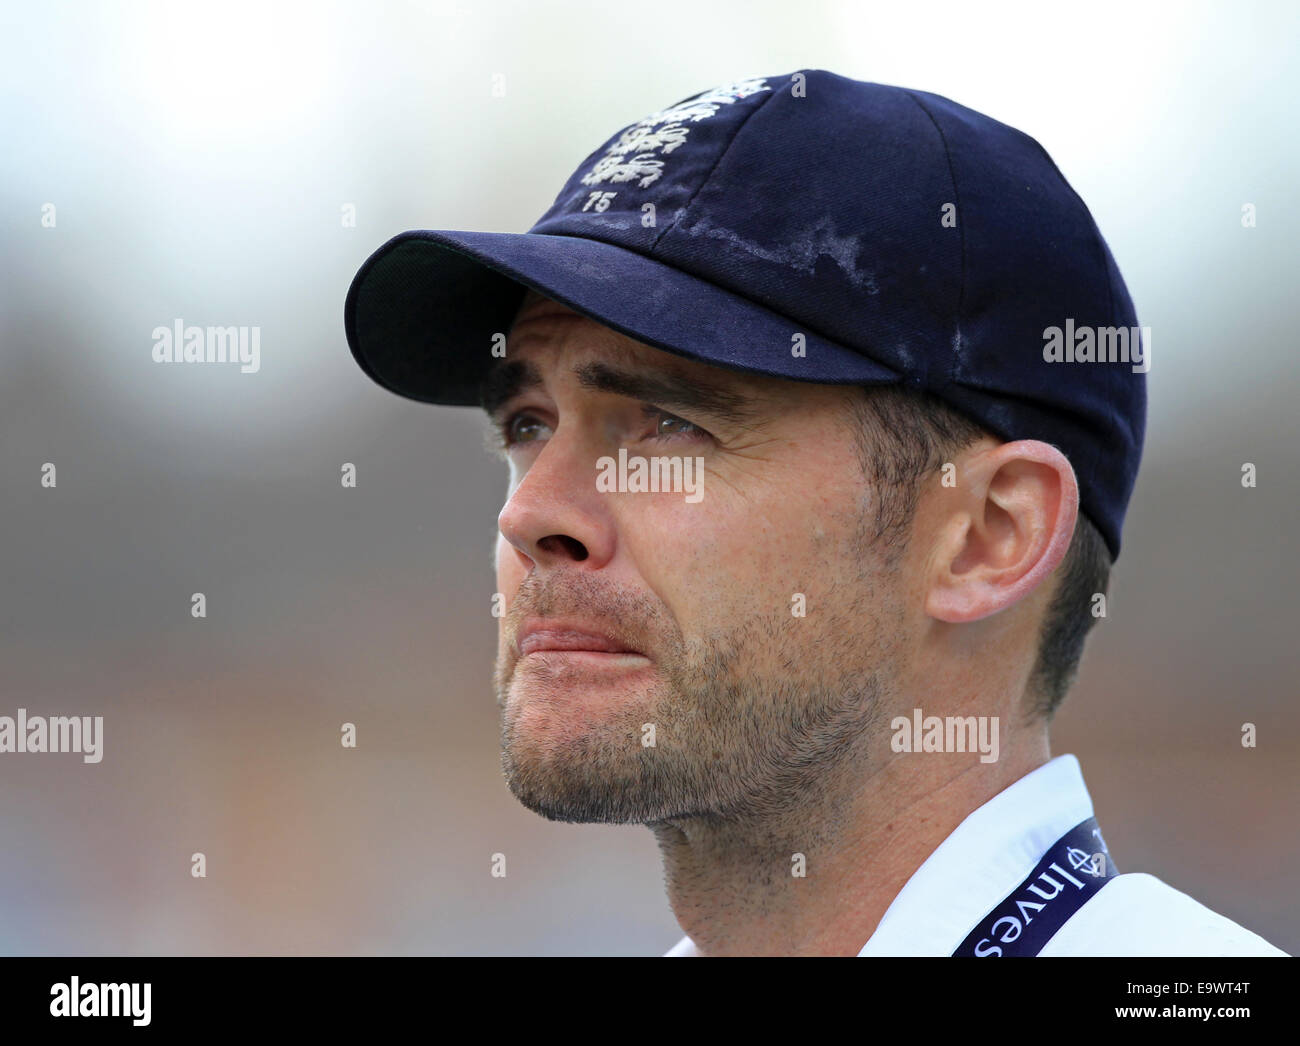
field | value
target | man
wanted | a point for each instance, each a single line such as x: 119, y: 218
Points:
x: 822, y: 402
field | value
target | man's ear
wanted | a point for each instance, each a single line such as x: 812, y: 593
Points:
x: 1005, y: 527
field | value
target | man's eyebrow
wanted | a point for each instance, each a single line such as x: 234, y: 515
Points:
x: 669, y: 388
x: 504, y: 382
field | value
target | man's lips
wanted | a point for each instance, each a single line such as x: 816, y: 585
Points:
x: 537, y: 636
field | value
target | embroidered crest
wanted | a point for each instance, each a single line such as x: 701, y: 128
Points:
x: 635, y: 154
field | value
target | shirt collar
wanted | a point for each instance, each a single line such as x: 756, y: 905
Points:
x: 986, y: 857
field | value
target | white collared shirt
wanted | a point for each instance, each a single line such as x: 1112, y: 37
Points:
x: 993, y: 851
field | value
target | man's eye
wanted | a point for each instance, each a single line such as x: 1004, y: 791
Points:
x: 525, y: 427
x: 670, y: 426
x: 520, y: 428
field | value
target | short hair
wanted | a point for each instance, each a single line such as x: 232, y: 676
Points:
x: 905, y: 435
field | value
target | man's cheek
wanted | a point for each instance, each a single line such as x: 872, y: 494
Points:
x: 764, y: 563
x: 707, y: 580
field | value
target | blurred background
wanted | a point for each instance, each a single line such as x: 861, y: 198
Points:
x: 200, y: 159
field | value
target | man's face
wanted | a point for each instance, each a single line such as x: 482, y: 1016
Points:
x: 758, y: 627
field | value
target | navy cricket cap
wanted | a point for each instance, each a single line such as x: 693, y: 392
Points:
x: 905, y: 238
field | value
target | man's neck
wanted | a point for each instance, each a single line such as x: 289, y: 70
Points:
x: 735, y: 885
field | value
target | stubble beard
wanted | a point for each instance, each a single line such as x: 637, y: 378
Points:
x: 750, y: 724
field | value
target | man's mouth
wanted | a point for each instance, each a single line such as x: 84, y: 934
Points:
x: 540, y: 636
x: 586, y: 661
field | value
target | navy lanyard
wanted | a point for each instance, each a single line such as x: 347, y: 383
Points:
x: 1075, y: 867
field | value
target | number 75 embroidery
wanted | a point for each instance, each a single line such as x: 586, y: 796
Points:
x: 600, y: 199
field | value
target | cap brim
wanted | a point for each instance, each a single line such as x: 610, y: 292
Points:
x: 423, y: 310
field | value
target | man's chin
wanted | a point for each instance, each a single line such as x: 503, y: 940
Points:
x: 588, y: 754
x: 588, y: 779
x: 580, y: 802
x: 571, y: 807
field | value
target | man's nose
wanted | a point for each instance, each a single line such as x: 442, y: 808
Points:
x: 556, y: 516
